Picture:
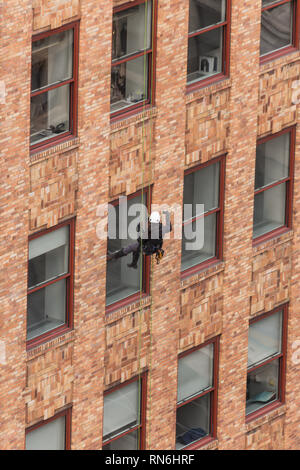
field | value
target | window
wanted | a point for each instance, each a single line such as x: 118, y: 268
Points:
x: 279, y: 26
x: 53, y: 86
x: 273, y: 184
x: 208, y: 42
x: 123, y: 284
x: 132, y: 56
x: 266, y: 361
x: 196, y: 396
x: 50, y: 283
x: 124, y: 416
x: 203, y: 185
x: 53, y: 434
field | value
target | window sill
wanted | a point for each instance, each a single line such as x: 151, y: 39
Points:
x: 207, y: 443
x: 201, y: 89
x: 54, y: 141
x: 64, y: 146
x: 58, y: 341
x: 201, y: 272
x: 282, y: 61
x: 278, y: 236
x: 264, y: 415
x: 140, y: 116
x: 129, y: 305
x: 130, y: 112
x: 272, y: 56
x: 206, y: 82
x: 47, y: 337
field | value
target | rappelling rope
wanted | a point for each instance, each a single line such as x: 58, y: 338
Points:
x: 152, y: 260
x: 141, y: 310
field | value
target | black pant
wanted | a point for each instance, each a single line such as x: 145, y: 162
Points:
x: 135, y: 249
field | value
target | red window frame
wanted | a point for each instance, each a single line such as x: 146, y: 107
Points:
x: 69, y: 276
x: 141, y: 427
x: 73, y: 109
x: 212, y: 391
x: 146, y: 192
x: 295, y: 37
x: 68, y: 416
x: 282, y: 363
x: 220, y: 216
x: 225, y: 51
x: 289, y: 187
x: 150, y: 53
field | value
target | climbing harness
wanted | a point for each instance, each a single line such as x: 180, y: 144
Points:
x: 159, y: 255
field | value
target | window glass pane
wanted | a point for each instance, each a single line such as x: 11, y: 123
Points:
x: 262, y: 386
x: 121, y: 410
x: 205, y: 13
x: 130, y: 33
x: 122, y: 281
x: 193, y: 421
x: 202, y: 187
x: 129, y: 83
x: 272, y: 161
x: 46, y: 309
x: 50, y: 436
x: 269, y: 210
x: 52, y: 60
x: 205, y: 55
x: 276, y: 28
x: 48, y: 256
x: 50, y: 114
x: 195, y: 372
x: 264, y: 338
x: 189, y: 257
x: 127, y: 442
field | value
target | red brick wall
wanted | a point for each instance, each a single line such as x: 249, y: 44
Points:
x: 50, y: 14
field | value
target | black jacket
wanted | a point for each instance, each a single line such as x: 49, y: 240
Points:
x: 153, y: 240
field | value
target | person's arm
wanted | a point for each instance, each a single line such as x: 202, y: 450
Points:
x: 167, y: 227
x: 142, y: 232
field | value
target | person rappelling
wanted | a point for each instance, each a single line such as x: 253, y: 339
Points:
x: 150, y: 240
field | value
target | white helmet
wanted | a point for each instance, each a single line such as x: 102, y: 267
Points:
x: 154, y: 218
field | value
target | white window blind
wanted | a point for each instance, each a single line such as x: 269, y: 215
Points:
x: 121, y: 408
x: 195, y: 372
x: 50, y: 436
x: 264, y: 338
x: 48, y: 242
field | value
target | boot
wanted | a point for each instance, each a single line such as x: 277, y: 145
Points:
x: 116, y: 255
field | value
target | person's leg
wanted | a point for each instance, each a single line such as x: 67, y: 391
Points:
x: 132, y: 248
x: 135, y: 258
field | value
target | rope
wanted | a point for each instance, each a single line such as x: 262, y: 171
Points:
x: 152, y: 261
x: 141, y: 310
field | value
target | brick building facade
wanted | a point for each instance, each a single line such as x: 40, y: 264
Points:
x: 70, y: 372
